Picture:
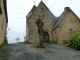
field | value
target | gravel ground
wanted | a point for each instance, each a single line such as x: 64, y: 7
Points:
x: 31, y: 52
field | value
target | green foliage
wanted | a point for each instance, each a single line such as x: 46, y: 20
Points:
x: 20, y: 42
x: 41, y: 44
x: 26, y: 42
x: 75, y: 41
x: 1, y: 55
x: 3, y: 44
x: 0, y: 58
x: 41, y: 26
x: 52, y: 41
x: 5, y: 40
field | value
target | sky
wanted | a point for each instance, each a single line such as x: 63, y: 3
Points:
x: 18, y: 10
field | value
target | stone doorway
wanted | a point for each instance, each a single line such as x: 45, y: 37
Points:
x: 46, y: 37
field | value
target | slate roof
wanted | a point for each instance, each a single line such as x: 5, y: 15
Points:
x: 46, y: 7
x: 59, y: 20
x: 33, y: 8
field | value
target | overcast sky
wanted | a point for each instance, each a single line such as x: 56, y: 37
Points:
x: 18, y: 9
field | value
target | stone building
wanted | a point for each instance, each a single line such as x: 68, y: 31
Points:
x: 67, y: 24
x: 3, y: 20
x: 60, y: 29
x: 42, y: 12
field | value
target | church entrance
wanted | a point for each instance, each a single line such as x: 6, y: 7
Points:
x: 46, y: 37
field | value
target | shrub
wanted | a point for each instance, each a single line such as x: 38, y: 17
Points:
x: 3, y: 44
x: 41, y: 44
x: 20, y: 42
x: 52, y: 41
x: 1, y: 55
x: 75, y: 41
x: 5, y: 40
x: 26, y: 42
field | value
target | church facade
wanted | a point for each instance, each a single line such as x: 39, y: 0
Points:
x: 3, y: 20
x: 59, y: 29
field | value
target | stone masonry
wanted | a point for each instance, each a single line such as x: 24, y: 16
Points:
x: 67, y: 24
x: 47, y: 17
x: 58, y: 29
x: 3, y: 20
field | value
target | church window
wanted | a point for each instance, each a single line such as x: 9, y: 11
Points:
x: 41, y: 8
x: 70, y: 29
x: 43, y: 15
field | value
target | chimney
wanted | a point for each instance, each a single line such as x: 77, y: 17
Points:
x: 67, y: 9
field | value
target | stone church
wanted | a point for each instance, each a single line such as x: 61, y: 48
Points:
x: 60, y: 29
x: 3, y: 20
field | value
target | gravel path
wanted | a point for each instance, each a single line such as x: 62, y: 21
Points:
x: 31, y: 52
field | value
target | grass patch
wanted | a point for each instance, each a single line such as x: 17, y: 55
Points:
x: 74, y: 42
x: 3, y: 44
x: 1, y: 55
x: 52, y: 41
x: 26, y: 42
x: 41, y: 44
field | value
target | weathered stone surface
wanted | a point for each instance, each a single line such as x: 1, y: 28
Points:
x: 3, y: 22
x: 67, y: 24
x: 61, y: 30
x: 48, y: 19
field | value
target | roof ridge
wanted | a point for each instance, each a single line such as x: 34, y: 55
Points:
x: 33, y: 8
x: 46, y: 7
x: 59, y: 20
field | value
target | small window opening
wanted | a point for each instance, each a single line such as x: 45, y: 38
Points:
x: 43, y: 15
x: 41, y: 8
x: 70, y: 29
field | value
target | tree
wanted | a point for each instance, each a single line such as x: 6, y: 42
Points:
x: 75, y: 41
x: 24, y: 38
x: 17, y: 39
x: 40, y: 24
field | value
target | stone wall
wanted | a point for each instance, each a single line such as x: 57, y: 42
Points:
x: 70, y: 23
x: 47, y: 17
x: 3, y: 24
